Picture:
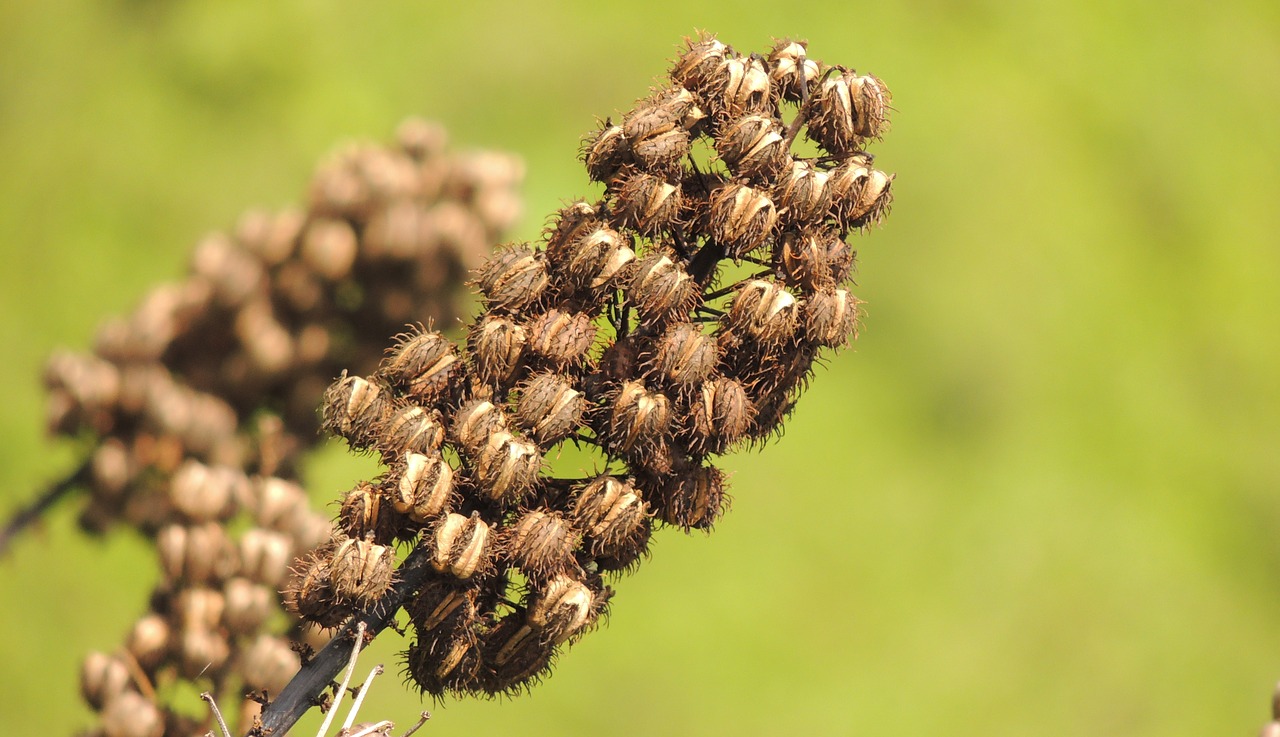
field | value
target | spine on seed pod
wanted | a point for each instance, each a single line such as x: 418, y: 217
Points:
x: 620, y: 330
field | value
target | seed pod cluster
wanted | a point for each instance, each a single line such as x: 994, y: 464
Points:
x: 619, y: 331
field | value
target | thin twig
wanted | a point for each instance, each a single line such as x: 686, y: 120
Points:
x: 421, y: 721
x: 213, y: 706
x: 346, y: 679
x: 26, y: 516
x: 364, y: 689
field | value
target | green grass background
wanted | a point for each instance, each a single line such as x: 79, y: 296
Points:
x: 1041, y: 496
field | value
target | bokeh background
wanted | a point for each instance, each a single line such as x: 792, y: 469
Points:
x: 1040, y: 496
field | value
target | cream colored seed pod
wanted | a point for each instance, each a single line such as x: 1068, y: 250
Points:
x: 461, y: 546
x: 265, y: 555
x: 248, y: 605
x: 562, y: 609
x: 268, y: 664
x: 507, y: 467
x: 202, y: 653
x: 423, y: 486
x: 764, y: 310
x: 150, y: 640
x: 132, y: 715
x: 206, y: 493
x: 362, y: 570
x: 103, y: 678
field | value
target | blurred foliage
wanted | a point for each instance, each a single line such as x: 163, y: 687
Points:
x: 1041, y: 496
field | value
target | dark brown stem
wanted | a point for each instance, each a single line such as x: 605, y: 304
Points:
x: 26, y: 516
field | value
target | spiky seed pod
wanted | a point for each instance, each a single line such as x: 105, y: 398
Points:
x: 742, y: 88
x: 655, y: 130
x: 764, y: 310
x: 860, y: 194
x: 605, y: 153
x: 439, y: 664
x: 132, y: 715
x: 410, y: 428
x: 195, y: 555
x: 150, y: 641
x: 696, y: 68
x: 831, y: 317
x: 597, y: 260
x: 507, y: 467
x: 461, y: 546
x: 364, y: 512
x: 846, y: 110
x: 614, y: 517
x: 540, y: 542
x: 474, y: 422
x: 813, y: 259
x: 802, y: 194
x: 720, y: 415
x: 268, y: 663
x: 515, y: 278
x: 362, y: 570
x: 443, y: 605
x: 422, y: 362
x: 354, y: 408
x: 685, y: 355
x: 103, y: 678
x: 561, y: 338
x: 647, y: 203
x: 570, y: 224
x: 248, y: 605
x: 637, y: 419
x: 276, y: 504
x: 742, y: 219
x: 661, y: 288
x: 496, y: 344
x: 754, y: 148
x: 549, y: 408
x: 693, y: 498
x: 421, y: 486
x: 563, y: 608
x: 205, y: 493
x: 515, y: 655
x: 202, y: 653
x: 310, y: 593
x: 265, y: 556
x: 791, y: 70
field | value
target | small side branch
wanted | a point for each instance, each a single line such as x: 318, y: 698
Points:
x: 30, y: 514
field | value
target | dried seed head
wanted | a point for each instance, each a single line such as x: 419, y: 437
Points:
x: 541, y: 543
x: 696, y: 67
x: 103, y: 678
x: 354, y: 408
x: 846, y: 111
x: 422, y: 486
x: 605, y: 152
x: 661, y: 288
x: 150, y: 641
x: 791, y: 70
x: 516, y: 655
x: 860, y: 194
x: 764, y: 310
x: 721, y: 414
x: 802, y: 194
x: 265, y: 556
x: 814, y: 259
x: 754, y: 147
x: 310, y: 593
x: 422, y: 362
x: 248, y: 605
x: 742, y: 88
x: 363, y: 513
x: 562, y: 338
x: 742, y: 218
x: 549, y: 408
x: 655, y: 130
x: 562, y: 609
x: 443, y: 664
x: 613, y: 516
x: 596, y: 260
x: 268, y: 664
x: 685, y: 355
x: 362, y: 570
x: 132, y: 715
x: 411, y: 429
x: 692, y: 499
x: 507, y: 467
x: 474, y: 422
x: 831, y: 317
x: 496, y: 344
x: 647, y: 203
x: 515, y: 278
x: 461, y: 546
x: 638, y: 419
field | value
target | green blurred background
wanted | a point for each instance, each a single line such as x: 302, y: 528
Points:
x: 1041, y: 496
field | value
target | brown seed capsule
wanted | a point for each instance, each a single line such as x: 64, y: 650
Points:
x: 354, y: 409
x: 442, y: 605
x: 276, y: 504
x: 507, y: 467
x: 541, y: 542
x: 103, y: 678
x: 268, y: 664
x: 596, y: 260
x: 605, y: 153
x: 198, y: 607
x: 410, y: 428
x: 692, y: 499
x: 802, y: 194
x: 422, y: 486
x: 329, y: 247
x: 265, y: 556
x: 831, y: 317
x: 647, y: 203
x: 846, y: 110
x: 742, y: 219
x: 362, y: 570
x: 742, y: 88
x: 516, y: 655
x: 474, y: 422
x: 132, y: 715
x: 562, y: 338
x: 549, y: 408
x: 422, y: 362
x: 310, y: 593
x: 685, y: 355
x: 496, y: 344
x: 515, y: 278
x: 813, y: 259
x: 149, y: 641
x: 720, y: 415
x: 638, y: 420
x: 248, y: 605
x: 655, y: 130
x: 661, y: 288
x: 440, y: 664
x: 198, y: 554
x: 363, y: 513
x: 754, y: 147
x: 696, y: 67
x: 764, y: 310
x: 791, y: 70
x: 612, y: 514
x: 461, y: 546
x: 860, y: 195
x: 562, y: 609
x: 202, y: 653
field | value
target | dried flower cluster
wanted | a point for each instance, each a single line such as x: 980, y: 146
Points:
x: 622, y: 331
x: 198, y: 405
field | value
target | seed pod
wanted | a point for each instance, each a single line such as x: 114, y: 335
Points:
x: 831, y: 317
x: 613, y: 516
x: 655, y: 132
x: 647, y: 203
x: 202, y: 653
x: 860, y: 195
x: 265, y: 556
x: 696, y: 67
x: 541, y: 543
x: 268, y: 664
x: 802, y: 194
x: 442, y: 605
x: 685, y: 355
x: 846, y: 111
x: 422, y: 362
x: 562, y: 338
x: 132, y: 715
x: 720, y: 415
x: 410, y: 428
x: 473, y: 424
x: 362, y: 570
x: 638, y: 420
x: 549, y: 408
x: 310, y: 593
x: 814, y: 259
x: 149, y: 641
x: 596, y: 260
x: 753, y: 147
x: 329, y: 247
x: 446, y: 663
x: 198, y: 608
x: 354, y: 408
x: 112, y: 469
x: 661, y: 288
x: 692, y: 499
x: 277, y: 504
x: 507, y: 467
x: 605, y: 153
x: 363, y: 513
x: 206, y: 493
x: 247, y: 605
x: 461, y: 546
x: 742, y: 88
x: 515, y: 654
x: 791, y: 70
x: 562, y: 609
x: 496, y: 344
x: 764, y: 310
x: 742, y: 219
x: 198, y: 554
x: 422, y: 486
x: 103, y: 678
x: 514, y: 279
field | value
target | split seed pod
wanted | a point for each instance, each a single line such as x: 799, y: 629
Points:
x: 515, y: 278
x: 831, y: 317
x: 354, y: 408
x: 410, y: 428
x: 461, y: 546
x: 614, y: 517
x: 647, y: 203
x: 362, y: 570
x: 720, y: 415
x: 847, y: 110
x: 541, y: 542
x: 562, y: 338
x: 605, y: 153
x: 638, y: 419
x: 507, y: 467
x: 754, y: 147
x: 550, y: 409
x: 791, y: 70
x: 496, y: 344
x: 742, y: 219
x: 422, y: 487
x: 685, y: 355
x: 764, y: 310
x: 661, y: 288
x: 422, y: 362
x: 564, y: 608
